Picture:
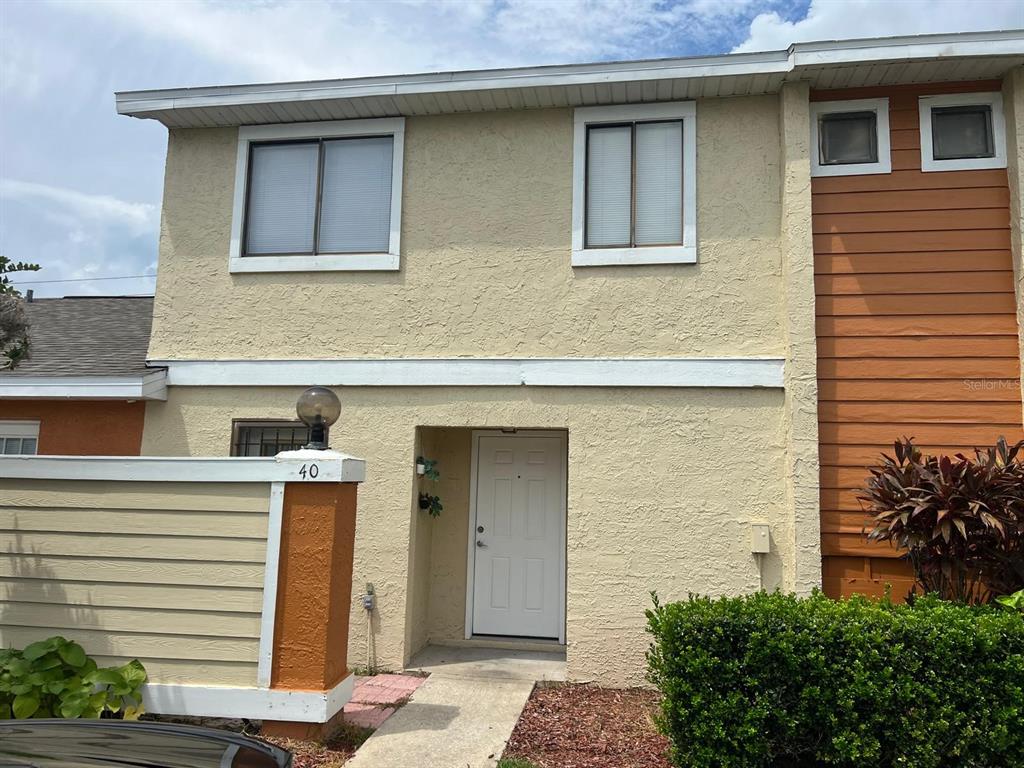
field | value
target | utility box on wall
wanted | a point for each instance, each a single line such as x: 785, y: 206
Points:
x: 760, y: 538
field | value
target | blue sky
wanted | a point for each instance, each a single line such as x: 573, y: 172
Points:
x: 80, y: 186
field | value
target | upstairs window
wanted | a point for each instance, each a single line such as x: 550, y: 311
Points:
x: 634, y: 180
x: 850, y: 137
x: 318, y: 196
x: 19, y: 437
x: 962, y: 131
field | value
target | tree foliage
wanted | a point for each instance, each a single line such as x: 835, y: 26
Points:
x: 13, y: 321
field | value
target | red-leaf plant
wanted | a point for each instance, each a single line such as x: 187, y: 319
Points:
x: 961, y: 520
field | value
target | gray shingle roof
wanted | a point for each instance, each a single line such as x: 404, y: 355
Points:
x: 87, y: 336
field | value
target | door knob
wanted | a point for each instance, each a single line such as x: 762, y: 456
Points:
x: 480, y: 543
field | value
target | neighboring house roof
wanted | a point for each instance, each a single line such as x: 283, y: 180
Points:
x: 830, y: 64
x: 88, y: 347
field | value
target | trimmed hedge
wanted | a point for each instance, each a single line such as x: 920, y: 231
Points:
x: 776, y: 680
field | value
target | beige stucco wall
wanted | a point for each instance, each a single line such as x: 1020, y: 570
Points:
x: 662, y: 485
x: 801, y: 367
x: 486, y: 230
x: 172, y: 573
x: 1013, y: 106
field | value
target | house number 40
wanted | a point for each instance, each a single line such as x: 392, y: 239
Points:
x: 309, y: 471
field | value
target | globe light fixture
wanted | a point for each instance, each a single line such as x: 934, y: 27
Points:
x: 318, y: 408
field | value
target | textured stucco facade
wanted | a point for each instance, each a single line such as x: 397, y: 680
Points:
x: 661, y: 487
x: 662, y: 483
x: 486, y: 231
x: 1013, y: 105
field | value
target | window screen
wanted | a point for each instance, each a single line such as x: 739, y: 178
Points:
x: 634, y: 184
x: 848, y: 138
x: 253, y: 438
x: 322, y: 196
x: 19, y: 437
x: 962, y: 132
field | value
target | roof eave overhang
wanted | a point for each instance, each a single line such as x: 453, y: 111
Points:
x: 387, y: 93
x: 147, y: 386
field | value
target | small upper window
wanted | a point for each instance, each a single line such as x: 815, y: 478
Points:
x: 962, y: 131
x: 318, y: 196
x: 267, y: 438
x: 19, y: 437
x: 634, y: 175
x: 850, y: 137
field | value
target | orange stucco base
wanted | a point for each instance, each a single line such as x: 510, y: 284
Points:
x: 314, y: 593
x: 82, y: 427
x: 314, y: 587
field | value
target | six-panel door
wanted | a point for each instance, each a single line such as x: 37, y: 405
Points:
x: 518, y: 536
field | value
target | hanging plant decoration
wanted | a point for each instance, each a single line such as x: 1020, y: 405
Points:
x: 430, y: 503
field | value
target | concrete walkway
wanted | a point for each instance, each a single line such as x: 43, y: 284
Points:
x: 464, y: 713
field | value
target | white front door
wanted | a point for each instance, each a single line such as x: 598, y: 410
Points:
x: 518, y: 535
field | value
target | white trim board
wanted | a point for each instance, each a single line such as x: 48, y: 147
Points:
x: 253, y: 703
x: 270, y: 572
x: 335, y: 262
x: 147, y: 386
x: 331, y: 467
x: 481, y: 372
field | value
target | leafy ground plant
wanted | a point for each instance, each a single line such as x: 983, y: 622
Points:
x: 55, y: 678
x: 960, y: 519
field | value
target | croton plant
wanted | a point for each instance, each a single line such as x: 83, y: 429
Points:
x: 960, y: 519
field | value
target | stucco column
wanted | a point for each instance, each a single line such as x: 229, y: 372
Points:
x: 314, y: 591
x: 801, y: 376
x: 1013, y: 106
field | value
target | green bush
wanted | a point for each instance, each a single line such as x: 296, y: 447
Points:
x: 55, y: 678
x: 775, y: 680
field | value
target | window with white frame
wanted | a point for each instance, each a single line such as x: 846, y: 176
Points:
x: 19, y: 437
x: 318, y: 196
x: 962, y: 132
x: 850, y: 138
x: 634, y: 185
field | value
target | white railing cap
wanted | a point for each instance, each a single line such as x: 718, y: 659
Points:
x: 290, y: 466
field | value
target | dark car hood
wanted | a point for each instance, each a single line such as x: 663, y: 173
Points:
x: 94, y: 743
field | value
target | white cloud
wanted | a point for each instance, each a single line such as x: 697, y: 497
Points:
x: 69, y: 205
x: 308, y: 39
x: 830, y: 20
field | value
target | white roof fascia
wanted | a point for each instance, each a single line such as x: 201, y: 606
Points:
x: 798, y: 56
x: 147, y: 386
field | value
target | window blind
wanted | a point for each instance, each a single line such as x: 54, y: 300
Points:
x: 282, y: 198
x: 659, y: 183
x: 609, y: 171
x: 355, y: 199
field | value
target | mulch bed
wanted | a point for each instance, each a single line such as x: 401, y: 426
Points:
x: 309, y: 754
x: 580, y: 726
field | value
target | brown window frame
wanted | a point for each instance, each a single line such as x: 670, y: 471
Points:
x: 320, y: 142
x: 632, y: 184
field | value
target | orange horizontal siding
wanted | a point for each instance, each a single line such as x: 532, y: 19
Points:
x: 917, y: 304
x: 916, y: 323
x: 913, y: 200
x: 911, y: 283
x: 908, y: 390
x: 917, y: 346
x: 936, y: 324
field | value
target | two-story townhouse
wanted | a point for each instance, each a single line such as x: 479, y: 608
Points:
x: 650, y: 319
